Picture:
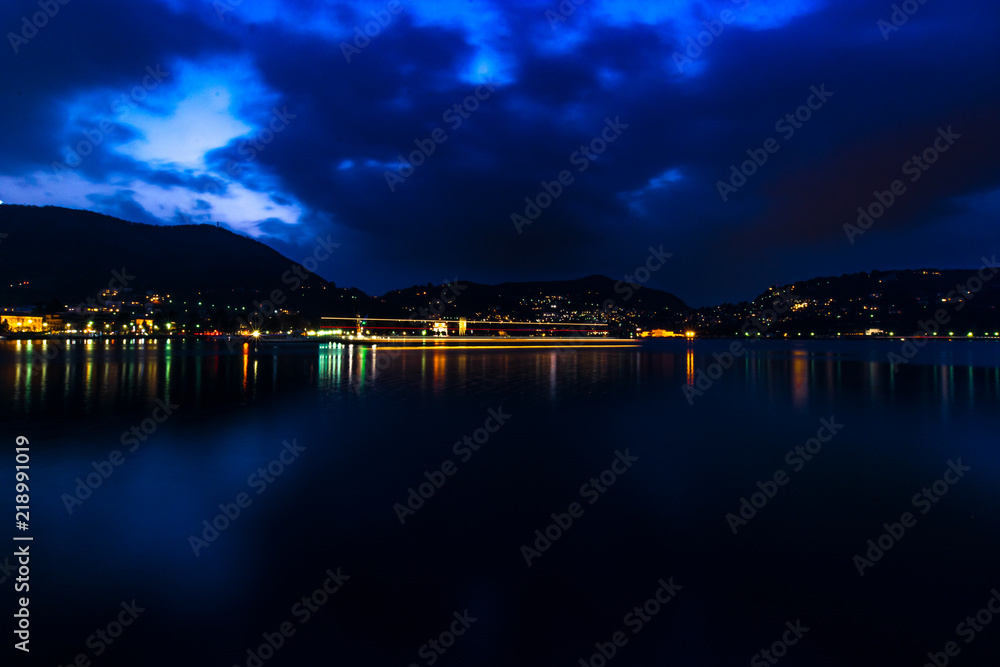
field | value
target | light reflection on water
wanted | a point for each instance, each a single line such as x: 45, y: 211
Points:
x: 91, y: 376
x: 374, y: 421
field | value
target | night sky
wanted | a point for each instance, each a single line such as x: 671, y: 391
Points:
x: 284, y: 121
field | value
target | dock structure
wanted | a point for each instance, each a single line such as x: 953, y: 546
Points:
x: 463, y: 332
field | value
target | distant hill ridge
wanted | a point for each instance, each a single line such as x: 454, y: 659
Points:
x: 70, y: 254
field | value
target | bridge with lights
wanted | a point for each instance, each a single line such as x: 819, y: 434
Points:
x: 463, y: 332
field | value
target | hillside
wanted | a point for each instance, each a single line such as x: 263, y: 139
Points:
x: 51, y: 257
x: 69, y: 255
x: 893, y: 301
x: 580, y: 299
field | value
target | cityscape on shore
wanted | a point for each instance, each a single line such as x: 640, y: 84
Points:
x: 895, y: 303
x: 90, y: 287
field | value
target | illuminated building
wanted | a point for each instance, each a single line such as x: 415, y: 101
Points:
x: 25, y: 322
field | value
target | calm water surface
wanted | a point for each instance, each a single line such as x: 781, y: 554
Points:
x: 371, y: 425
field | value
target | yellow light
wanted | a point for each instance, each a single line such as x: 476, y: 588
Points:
x: 503, y: 347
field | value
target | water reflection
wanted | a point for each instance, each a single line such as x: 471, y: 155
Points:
x: 800, y: 377
x: 94, y: 376
x: 374, y: 420
x: 690, y: 364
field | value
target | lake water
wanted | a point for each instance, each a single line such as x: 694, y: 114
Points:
x: 321, y: 449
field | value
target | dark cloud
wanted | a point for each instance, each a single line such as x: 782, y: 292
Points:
x: 344, y: 124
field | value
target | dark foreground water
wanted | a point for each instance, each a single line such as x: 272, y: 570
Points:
x: 323, y: 448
